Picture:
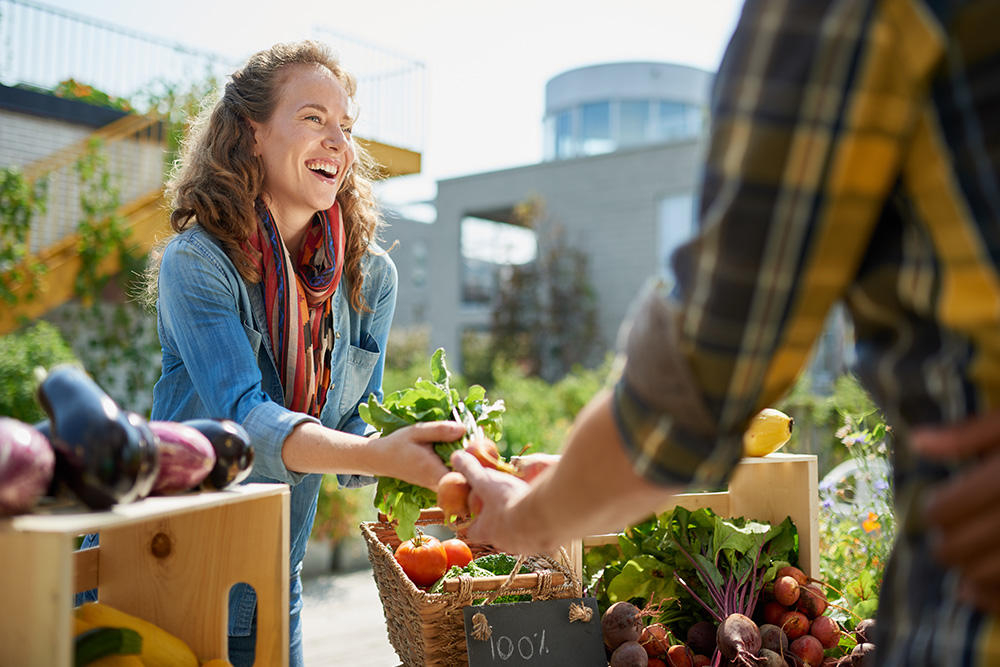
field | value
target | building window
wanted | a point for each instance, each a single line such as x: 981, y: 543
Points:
x: 419, y: 273
x: 676, y: 223
x: 678, y: 121
x: 595, y: 134
x: 633, y: 123
x: 565, y: 142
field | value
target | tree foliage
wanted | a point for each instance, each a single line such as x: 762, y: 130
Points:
x: 545, y: 317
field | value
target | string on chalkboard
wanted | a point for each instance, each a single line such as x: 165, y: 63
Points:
x: 481, y: 629
x: 580, y: 612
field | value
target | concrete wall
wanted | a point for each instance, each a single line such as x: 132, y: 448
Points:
x: 607, y: 204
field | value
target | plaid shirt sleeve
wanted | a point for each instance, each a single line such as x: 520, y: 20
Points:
x: 812, y: 112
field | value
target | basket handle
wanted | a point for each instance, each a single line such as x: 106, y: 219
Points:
x: 520, y: 581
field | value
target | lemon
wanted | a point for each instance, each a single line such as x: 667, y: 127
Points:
x: 767, y: 432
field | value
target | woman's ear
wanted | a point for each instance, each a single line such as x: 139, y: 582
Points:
x: 253, y: 135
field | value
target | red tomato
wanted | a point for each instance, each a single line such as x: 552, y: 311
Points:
x: 458, y: 552
x: 423, y: 559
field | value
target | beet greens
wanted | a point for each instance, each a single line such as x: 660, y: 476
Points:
x: 693, y: 566
x: 730, y: 557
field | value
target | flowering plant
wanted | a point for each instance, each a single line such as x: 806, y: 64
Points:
x: 856, y: 522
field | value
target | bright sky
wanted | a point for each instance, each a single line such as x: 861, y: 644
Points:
x: 487, y: 62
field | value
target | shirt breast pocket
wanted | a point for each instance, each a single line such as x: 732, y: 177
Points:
x: 360, y: 366
x: 254, y: 337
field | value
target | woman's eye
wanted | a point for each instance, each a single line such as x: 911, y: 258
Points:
x: 315, y: 118
x: 347, y: 130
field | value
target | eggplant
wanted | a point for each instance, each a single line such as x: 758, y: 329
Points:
x: 99, y: 455
x: 150, y: 459
x: 186, y: 457
x: 27, y: 463
x: 233, y: 451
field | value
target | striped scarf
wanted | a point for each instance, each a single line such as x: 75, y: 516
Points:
x: 298, y: 304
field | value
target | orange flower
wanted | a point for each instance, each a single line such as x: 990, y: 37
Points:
x: 871, y: 524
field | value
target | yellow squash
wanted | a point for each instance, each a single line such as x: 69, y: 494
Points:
x: 159, y: 647
x: 767, y: 432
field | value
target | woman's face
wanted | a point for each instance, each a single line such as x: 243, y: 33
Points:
x: 306, y: 145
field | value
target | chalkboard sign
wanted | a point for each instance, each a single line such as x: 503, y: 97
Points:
x: 537, y: 634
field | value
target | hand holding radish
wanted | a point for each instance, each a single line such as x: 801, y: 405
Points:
x: 965, y: 510
x: 408, y: 454
x: 497, y: 492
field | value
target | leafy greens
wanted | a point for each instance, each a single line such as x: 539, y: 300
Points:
x: 427, y: 400
x: 693, y: 565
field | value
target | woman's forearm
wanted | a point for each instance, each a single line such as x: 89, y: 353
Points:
x: 312, y: 447
x: 405, y: 454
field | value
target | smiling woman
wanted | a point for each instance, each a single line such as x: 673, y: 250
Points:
x: 274, y: 300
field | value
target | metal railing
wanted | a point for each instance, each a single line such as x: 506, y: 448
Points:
x: 42, y: 46
x: 134, y: 149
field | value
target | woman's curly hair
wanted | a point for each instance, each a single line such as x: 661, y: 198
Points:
x: 218, y: 179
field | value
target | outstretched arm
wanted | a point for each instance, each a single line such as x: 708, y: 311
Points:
x: 592, y: 489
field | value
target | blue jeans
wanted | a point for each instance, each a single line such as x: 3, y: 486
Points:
x: 241, y: 649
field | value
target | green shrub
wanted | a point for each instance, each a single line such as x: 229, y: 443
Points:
x: 20, y: 353
x: 539, y: 415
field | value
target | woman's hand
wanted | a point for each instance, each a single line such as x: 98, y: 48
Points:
x: 407, y: 454
x: 965, y: 510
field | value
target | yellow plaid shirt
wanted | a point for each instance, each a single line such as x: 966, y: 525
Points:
x: 854, y: 158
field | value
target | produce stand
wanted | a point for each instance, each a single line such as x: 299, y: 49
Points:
x: 767, y: 488
x: 169, y: 560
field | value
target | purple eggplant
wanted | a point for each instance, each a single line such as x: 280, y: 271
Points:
x: 233, y: 451
x: 186, y: 457
x: 99, y: 455
x: 150, y: 459
x: 26, y: 466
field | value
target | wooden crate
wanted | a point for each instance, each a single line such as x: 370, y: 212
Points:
x: 169, y: 560
x: 767, y: 488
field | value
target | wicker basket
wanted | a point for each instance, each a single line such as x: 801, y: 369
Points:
x: 429, y: 629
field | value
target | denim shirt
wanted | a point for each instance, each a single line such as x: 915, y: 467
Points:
x: 218, y: 363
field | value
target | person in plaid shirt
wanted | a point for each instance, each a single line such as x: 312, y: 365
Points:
x: 854, y: 156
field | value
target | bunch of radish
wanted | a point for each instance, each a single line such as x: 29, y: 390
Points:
x: 795, y: 623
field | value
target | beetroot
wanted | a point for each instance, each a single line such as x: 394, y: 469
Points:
x: 701, y: 660
x: 774, y: 638
x: 26, y: 465
x: 786, y: 591
x: 186, y: 457
x: 795, y: 624
x: 864, y: 631
x: 826, y: 630
x: 770, y: 659
x: 701, y: 638
x: 739, y: 639
x: 812, y: 601
x: 621, y: 623
x: 863, y: 655
x: 629, y: 654
x: 772, y: 613
x: 680, y: 655
x: 807, y: 649
x: 654, y: 638
x: 793, y: 572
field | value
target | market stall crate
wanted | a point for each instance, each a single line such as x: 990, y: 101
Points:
x: 428, y: 629
x: 168, y: 560
x: 767, y: 488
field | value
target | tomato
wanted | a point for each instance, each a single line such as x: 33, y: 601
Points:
x: 458, y: 552
x: 423, y: 559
